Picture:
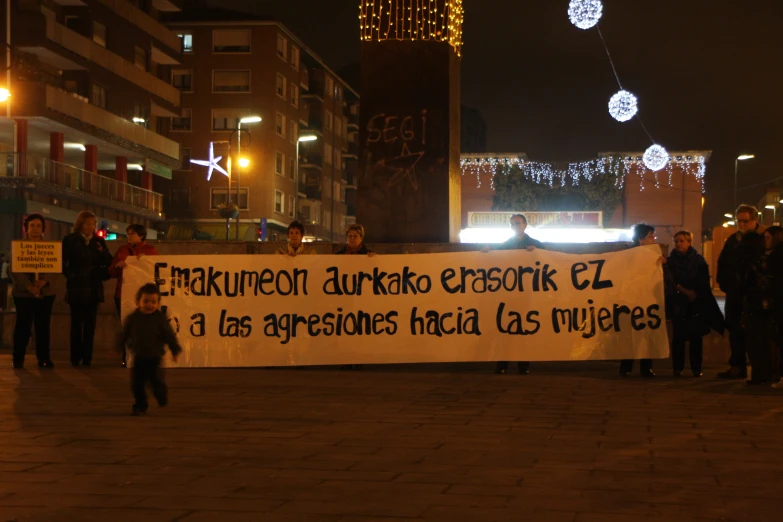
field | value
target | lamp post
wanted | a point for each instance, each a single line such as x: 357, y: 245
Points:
x: 242, y: 163
x: 741, y: 157
x: 306, y: 137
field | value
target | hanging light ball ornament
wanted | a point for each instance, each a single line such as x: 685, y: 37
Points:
x: 655, y: 158
x: 622, y: 106
x: 585, y: 13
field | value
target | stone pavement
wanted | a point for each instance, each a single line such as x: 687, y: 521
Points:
x: 571, y: 442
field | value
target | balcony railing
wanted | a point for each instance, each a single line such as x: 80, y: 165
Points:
x: 70, y: 178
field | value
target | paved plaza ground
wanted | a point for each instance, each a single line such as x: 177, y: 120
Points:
x: 571, y: 442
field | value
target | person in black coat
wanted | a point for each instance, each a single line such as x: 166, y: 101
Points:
x: 732, y: 263
x: 86, y: 260
x: 694, y: 311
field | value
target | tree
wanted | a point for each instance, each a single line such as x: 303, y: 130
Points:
x: 595, y: 187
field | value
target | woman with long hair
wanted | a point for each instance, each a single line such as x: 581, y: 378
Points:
x: 86, y: 260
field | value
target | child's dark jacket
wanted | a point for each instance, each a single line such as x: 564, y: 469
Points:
x: 147, y: 335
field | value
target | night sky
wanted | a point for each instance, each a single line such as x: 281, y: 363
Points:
x: 708, y: 74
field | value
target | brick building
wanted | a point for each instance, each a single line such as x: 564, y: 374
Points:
x: 237, y: 66
x: 89, y: 83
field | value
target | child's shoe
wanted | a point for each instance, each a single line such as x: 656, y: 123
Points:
x: 137, y: 412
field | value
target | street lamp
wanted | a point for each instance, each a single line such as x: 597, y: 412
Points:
x: 732, y: 215
x: 4, y: 95
x: 243, y: 162
x: 741, y: 157
x: 774, y: 212
x: 306, y: 137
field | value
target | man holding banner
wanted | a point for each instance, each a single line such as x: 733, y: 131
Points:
x: 519, y: 241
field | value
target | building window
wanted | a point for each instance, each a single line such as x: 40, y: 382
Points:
x: 329, y: 86
x: 98, y: 97
x: 182, y: 123
x: 182, y: 79
x: 342, y: 195
x: 73, y: 23
x: 327, y: 220
x: 98, y: 33
x: 293, y: 131
x: 141, y: 115
x: 338, y: 157
x: 230, y: 81
x: 231, y: 40
x: 184, y: 158
x: 180, y: 198
x: 279, y: 202
x: 281, y: 81
x: 328, y: 151
x: 280, y: 163
x: 294, y: 95
x: 329, y: 121
x: 338, y: 127
x: 280, y: 125
x: 186, y: 39
x: 291, y: 206
x: 140, y: 58
x: 295, y: 54
x: 338, y: 93
x: 282, y: 47
x: 219, y: 196
x: 291, y: 169
x: 227, y: 119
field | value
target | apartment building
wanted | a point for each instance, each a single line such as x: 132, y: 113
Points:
x: 90, y: 85
x: 236, y: 66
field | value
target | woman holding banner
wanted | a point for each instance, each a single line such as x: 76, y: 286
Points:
x: 295, y: 246
x: 694, y: 309
x: 135, y: 247
x: 354, y: 245
x: 643, y: 235
x: 34, y: 298
x: 86, y: 260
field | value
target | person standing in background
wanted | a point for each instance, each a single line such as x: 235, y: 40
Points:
x: 136, y: 246
x: 86, y: 260
x: 5, y: 281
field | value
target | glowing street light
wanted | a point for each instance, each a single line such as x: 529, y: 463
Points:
x: 731, y: 215
x: 741, y: 157
x: 4, y: 94
x: 302, y: 139
x: 244, y: 162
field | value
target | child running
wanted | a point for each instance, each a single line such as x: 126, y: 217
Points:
x: 146, y: 332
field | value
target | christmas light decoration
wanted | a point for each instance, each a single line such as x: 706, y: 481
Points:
x: 211, y: 163
x: 439, y: 20
x: 573, y: 174
x: 655, y: 158
x: 623, y: 106
x: 585, y: 13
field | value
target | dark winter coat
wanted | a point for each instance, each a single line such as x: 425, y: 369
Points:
x: 690, y: 271
x: 86, y: 267
x: 146, y: 335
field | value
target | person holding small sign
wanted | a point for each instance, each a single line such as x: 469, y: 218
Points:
x: 137, y: 246
x: 34, y: 298
x: 295, y: 246
x: 86, y: 260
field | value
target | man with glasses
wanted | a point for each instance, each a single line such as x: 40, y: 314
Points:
x: 519, y: 241
x: 730, y: 267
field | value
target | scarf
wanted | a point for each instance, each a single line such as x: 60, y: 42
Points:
x: 295, y: 251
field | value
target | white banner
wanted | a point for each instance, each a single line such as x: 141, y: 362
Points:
x: 272, y: 310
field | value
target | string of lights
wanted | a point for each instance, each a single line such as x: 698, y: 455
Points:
x: 573, y: 174
x: 438, y: 20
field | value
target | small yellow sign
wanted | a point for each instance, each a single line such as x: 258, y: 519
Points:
x: 43, y: 257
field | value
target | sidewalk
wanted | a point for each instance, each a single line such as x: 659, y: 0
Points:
x: 570, y: 442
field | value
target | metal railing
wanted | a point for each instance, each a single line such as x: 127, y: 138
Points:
x: 68, y: 177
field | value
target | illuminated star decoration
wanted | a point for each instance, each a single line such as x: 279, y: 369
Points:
x: 212, y: 163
